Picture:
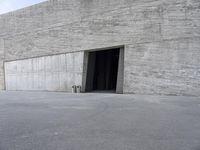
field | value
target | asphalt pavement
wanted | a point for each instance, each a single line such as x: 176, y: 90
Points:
x: 97, y: 121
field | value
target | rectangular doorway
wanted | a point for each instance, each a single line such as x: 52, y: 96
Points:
x: 103, y: 71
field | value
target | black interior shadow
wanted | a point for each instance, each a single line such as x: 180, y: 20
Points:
x: 102, y: 70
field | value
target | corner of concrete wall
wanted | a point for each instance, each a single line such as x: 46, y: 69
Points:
x: 120, y: 78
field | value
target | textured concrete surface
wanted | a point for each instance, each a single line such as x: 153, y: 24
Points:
x: 49, y: 73
x: 60, y: 121
x: 161, y: 38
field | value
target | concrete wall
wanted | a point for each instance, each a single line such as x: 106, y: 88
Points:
x: 161, y: 38
x: 49, y: 73
x: 1, y: 64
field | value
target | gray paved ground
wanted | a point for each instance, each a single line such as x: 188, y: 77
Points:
x: 59, y: 121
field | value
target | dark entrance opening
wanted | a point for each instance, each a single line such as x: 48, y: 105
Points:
x: 102, y: 70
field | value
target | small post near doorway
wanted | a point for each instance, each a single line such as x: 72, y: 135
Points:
x: 104, y: 71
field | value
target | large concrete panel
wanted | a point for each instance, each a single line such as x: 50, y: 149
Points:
x: 49, y: 73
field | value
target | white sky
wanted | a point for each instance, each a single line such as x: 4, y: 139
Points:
x: 11, y: 5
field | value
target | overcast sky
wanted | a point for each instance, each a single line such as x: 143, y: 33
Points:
x: 10, y: 5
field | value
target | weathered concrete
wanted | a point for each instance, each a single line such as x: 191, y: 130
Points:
x: 49, y: 73
x: 161, y: 38
x: 120, y: 76
x: 59, y: 121
x: 1, y: 64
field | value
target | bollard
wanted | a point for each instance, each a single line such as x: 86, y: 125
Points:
x: 78, y: 89
x: 74, y: 89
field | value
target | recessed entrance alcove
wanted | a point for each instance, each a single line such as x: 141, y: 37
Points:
x: 104, y: 70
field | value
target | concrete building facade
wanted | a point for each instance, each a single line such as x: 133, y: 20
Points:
x: 130, y: 46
